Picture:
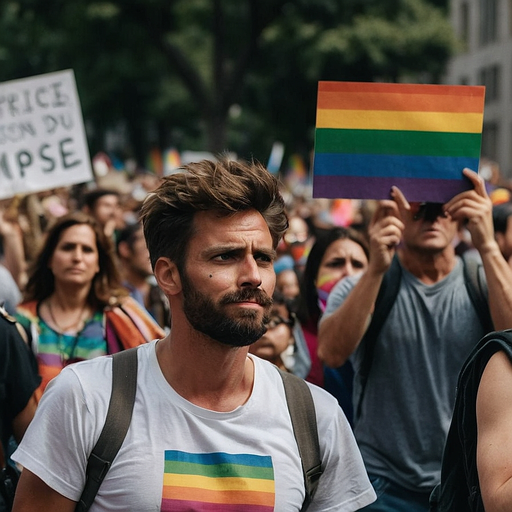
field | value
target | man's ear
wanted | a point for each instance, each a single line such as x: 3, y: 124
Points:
x: 167, y: 276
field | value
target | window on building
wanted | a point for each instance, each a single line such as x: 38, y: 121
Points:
x: 488, y: 21
x: 510, y: 17
x: 491, y: 77
x: 490, y: 134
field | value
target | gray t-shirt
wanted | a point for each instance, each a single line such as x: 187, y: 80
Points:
x: 410, y: 391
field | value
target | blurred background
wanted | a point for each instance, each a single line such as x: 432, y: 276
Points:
x: 158, y: 79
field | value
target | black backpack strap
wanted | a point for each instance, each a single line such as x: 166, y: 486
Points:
x: 383, y: 304
x: 477, y: 290
x: 303, y: 416
x: 119, y: 415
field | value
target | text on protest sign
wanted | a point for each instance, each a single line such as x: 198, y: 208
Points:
x: 42, y: 136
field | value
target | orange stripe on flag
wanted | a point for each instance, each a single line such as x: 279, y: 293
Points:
x: 391, y: 101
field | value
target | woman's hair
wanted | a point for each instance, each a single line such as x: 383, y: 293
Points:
x: 105, y: 284
x: 309, y: 310
x: 225, y: 186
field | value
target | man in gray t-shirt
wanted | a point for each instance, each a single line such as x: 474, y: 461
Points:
x: 430, y: 330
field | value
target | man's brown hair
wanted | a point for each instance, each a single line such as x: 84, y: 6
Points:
x: 225, y: 186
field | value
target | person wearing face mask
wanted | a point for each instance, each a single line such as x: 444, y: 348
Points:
x: 338, y: 253
x: 298, y: 240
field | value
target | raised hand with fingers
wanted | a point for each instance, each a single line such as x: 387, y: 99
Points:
x: 385, y: 232
x: 474, y: 208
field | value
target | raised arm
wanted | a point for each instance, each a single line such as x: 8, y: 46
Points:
x: 340, y: 332
x: 474, y: 208
x: 494, y: 422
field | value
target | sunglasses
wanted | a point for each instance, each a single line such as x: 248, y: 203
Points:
x: 427, y: 211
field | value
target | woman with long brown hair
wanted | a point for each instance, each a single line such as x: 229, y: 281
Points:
x: 74, y: 306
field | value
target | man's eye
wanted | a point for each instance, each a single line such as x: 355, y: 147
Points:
x: 264, y: 257
x: 224, y: 257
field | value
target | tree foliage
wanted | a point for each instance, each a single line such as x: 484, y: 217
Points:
x: 219, y: 74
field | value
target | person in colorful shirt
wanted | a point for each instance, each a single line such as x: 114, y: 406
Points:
x: 74, y: 307
x: 210, y: 428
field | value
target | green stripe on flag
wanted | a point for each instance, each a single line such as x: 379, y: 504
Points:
x: 397, y: 142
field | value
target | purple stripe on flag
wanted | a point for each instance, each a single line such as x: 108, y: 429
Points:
x: 364, y: 187
x: 186, y: 506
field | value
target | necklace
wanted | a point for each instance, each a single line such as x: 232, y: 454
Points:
x: 76, y: 323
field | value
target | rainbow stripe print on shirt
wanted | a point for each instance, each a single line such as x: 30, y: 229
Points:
x: 215, y: 482
x: 370, y: 136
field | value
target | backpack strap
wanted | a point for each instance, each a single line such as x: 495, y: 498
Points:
x: 386, y: 297
x: 119, y: 415
x: 303, y: 416
x: 477, y: 291
x: 124, y: 386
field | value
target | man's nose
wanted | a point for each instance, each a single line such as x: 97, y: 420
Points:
x: 250, y: 274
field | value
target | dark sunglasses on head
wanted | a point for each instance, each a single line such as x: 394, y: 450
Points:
x: 427, y: 211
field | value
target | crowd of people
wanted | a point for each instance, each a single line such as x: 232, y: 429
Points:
x: 213, y: 273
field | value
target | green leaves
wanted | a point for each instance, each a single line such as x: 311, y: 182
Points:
x: 174, y: 69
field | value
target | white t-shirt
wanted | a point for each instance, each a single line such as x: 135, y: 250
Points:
x: 178, y: 456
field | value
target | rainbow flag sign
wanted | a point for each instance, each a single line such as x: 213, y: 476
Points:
x: 370, y: 136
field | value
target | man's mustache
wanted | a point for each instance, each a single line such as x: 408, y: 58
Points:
x: 253, y: 295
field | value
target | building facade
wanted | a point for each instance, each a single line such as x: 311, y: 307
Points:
x: 484, y: 28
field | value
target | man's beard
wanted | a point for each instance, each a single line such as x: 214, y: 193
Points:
x: 211, y: 319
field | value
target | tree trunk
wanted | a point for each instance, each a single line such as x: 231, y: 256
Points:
x: 216, y: 133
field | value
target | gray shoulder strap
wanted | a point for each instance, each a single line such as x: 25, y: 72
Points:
x: 303, y: 416
x: 119, y: 415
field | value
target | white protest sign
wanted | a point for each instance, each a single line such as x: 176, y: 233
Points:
x: 42, y: 136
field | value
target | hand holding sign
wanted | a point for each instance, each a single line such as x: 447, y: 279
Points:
x: 474, y: 208
x: 384, y: 232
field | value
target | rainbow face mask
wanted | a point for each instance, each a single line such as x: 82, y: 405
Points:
x: 324, y: 286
